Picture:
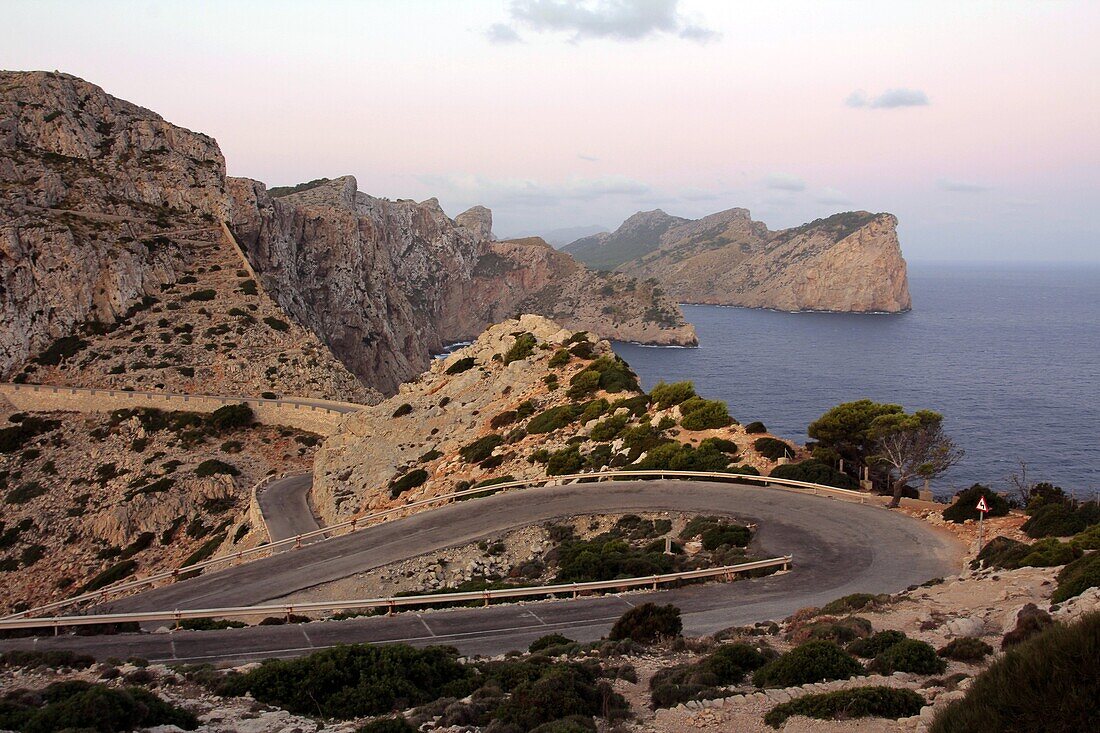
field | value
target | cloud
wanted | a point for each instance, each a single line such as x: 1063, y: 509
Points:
x: 502, y: 34
x: 832, y: 196
x: 890, y: 99
x: 783, y: 182
x: 523, y: 192
x: 589, y: 158
x: 619, y: 20
x: 695, y: 194
x: 948, y: 184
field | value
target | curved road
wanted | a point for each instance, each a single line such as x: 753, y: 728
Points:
x: 284, y: 504
x: 838, y: 548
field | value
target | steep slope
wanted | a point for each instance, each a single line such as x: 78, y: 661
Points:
x: 846, y: 262
x: 388, y: 283
x: 636, y: 237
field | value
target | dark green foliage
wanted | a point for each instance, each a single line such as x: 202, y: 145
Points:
x: 609, y: 428
x: 606, y: 558
x: 814, y: 661
x: 212, y: 467
x: 1057, y: 519
x: 966, y: 649
x: 700, y: 414
x: 410, y: 480
x: 201, y: 295
x: 733, y: 535
x: 1088, y: 540
x: 402, y: 410
x: 464, y: 364
x: 142, y: 542
x: 481, y: 448
x: 565, y: 461
x: 727, y: 665
x: 648, y: 623
x: 560, y: 358
x: 676, y: 456
x: 112, y: 574
x: 841, y: 631
x: 773, y: 448
x: 560, y: 692
x: 1046, y: 684
x: 609, y: 373
x: 966, y: 502
x: 231, y: 417
x: 845, y: 431
x: 14, y: 437
x: 210, y: 624
x: 248, y: 287
x: 815, y: 472
x: 523, y: 347
x: 61, y: 349
x: 667, y: 395
x: 909, y: 655
x: 280, y: 191
x: 583, y: 384
x: 552, y: 419
x: 1077, y: 577
x: 638, y: 405
x: 550, y: 640
x: 396, y: 724
x: 592, y: 410
x: 277, y: 324
x: 76, y: 705
x: 54, y: 658
x: 722, y: 445
x: 858, y: 702
x: 25, y: 493
x: 875, y: 644
x: 1001, y: 552
x: 357, y: 680
x: 1049, y: 552
x: 505, y: 418
x: 853, y: 603
x: 205, y: 550
x: 755, y: 427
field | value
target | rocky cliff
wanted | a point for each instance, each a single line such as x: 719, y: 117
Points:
x: 847, y: 262
x: 388, y: 283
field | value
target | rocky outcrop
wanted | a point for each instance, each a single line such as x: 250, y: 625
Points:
x: 848, y: 262
x: 386, y: 284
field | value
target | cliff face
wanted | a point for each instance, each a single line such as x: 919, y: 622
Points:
x: 847, y: 262
x: 388, y: 283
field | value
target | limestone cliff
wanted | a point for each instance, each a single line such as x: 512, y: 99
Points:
x: 388, y: 283
x: 847, y: 262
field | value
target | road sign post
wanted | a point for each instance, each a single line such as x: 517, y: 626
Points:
x: 982, y: 509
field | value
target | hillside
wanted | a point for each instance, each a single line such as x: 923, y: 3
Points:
x: 846, y: 262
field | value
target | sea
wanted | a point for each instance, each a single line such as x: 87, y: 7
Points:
x: 1008, y: 353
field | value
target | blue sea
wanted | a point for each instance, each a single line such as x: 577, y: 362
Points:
x: 1010, y: 354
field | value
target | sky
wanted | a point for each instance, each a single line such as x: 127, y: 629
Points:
x: 976, y: 123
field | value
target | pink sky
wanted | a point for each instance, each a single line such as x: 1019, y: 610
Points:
x: 573, y: 125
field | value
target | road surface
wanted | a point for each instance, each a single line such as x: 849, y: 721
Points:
x: 285, y: 508
x: 838, y: 547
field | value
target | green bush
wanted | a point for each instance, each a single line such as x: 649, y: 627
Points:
x: 61, y: 349
x: 853, y: 603
x: 731, y: 662
x: 667, y: 395
x: 1088, y: 540
x: 858, y: 702
x: 111, y: 575
x: 909, y: 655
x: 1049, y: 552
x: 755, y: 427
x: 14, y: 437
x: 1060, y: 519
x: 1046, y: 684
x: 560, y: 358
x: 773, y: 448
x: 704, y: 679
x: 609, y: 428
x: 700, y: 414
x: 966, y: 502
x: 396, y: 724
x: 1001, y: 552
x: 676, y: 456
x: 966, y: 649
x: 231, y: 417
x: 212, y: 467
x: 734, y: 535
x: 74, y: 704
x: 464, y: 364
x: 840, y: 631
x: 550, y: 640
x: 201, y: 296
x: 814, y: 661
x: 875, y: 644
x: 552, y: 419
x: 505, y: 418
x: 481, y: 448
x: 523, y: 347
x: 648, y: 623
x: 53, y: 658
x: 410, y: 480
x: 815, y: 472
x: 277, y: 324
x: 565, y: 461
x: 560, y: 692
x: 1077, y: 577
x: 26, y: 492
x: 211, y: 624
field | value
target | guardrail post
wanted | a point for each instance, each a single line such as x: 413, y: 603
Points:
x: 177, y: 619
x: 487, y: 596
x: 297, y: 542
x: 392, y: 606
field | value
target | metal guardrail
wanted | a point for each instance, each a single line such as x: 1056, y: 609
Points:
x: 393, y: 602
x: 359, y: 523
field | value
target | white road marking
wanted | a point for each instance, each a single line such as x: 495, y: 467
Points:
x: 425, y: 623
x: 308, y: 640
x: 537, y: 617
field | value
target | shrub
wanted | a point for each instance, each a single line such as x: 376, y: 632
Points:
x: 609, y: 428
x: 1088, y: 540
x: 73, y: 704
x: 858, y: 702
x: 565, y: 461
x: 1077, y: 577
x: 840, y: 631
x: 1060, y: 520
x: 14, y: 437
x: 909, y: 655
x: 722, y: 445
x: 648, y: 623
x: 552, y: 419
x: 61, y: 349
x: 875, y: 644
x: 1049, y: 552
x: 773, y: 448
x: 814, y: 661
x: 54, y: 658
x: 112, y: 574
x: 550, y: 640
x: 1048, y: 683
x: 213, y: 466
x: 277, y: 324
x: 583, y: 384
x: 667, y: 395
x: 410, y: 480
x: 966, y: 502
x: 1001, y: 552
x: 815, y: 472
x: 731, y: 662
x: 523, y: 347
x: 505, y: 418
x: 464, y: 364
x: 396, y: 724
x: 853, y: 603
x: 481, y: 448
x: 700, y: 414
x: 560, y: 358
x: 350, y: 681
x: 560, y: 692
x: 733, y: 535
x: 211, y: 624
x: 966, y: 649
x: 26, y: 492
x: 402, y: 410
x: 1030, y: 620
x: 676, y: 456
x: 755, y: 427
x: 231, y: 417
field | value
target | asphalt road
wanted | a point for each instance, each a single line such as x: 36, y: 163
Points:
x: 838, y: 548
x: 286, y: 510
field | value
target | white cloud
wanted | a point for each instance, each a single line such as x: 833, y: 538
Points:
x: 620, y: 20
x: 832, y: 197
x: 948, y: 184
x: 524, y: 192
x: 502, y: 34
x: 889, y: 99
x: 784, y: 182
x: 589, y: 158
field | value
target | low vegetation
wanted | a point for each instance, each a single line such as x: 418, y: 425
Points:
x: 74, y: 704
x: 648, y: 623
x: 858, y: 702
x: 966, y: 503
x: 814, y: 661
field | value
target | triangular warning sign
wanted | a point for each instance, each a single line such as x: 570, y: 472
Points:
x: 982, y: 506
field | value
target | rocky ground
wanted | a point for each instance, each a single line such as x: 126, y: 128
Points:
x: 87, y: 492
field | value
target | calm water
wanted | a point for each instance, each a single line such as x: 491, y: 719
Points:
x: 1009, y: 354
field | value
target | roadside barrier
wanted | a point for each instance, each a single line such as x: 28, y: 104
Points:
x: 392, y: 603
x: 360, y: 523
